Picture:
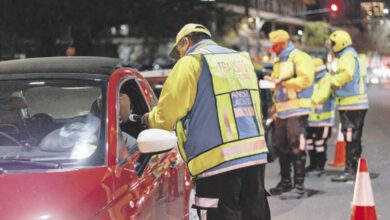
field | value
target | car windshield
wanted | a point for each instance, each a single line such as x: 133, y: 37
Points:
x: 52, y: 120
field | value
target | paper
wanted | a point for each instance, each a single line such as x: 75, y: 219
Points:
x: 266, y: 84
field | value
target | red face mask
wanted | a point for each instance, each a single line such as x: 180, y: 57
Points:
x: 278, y: 47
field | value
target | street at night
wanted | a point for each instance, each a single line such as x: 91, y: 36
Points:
x: 195, y: 109
x: 332, y: 201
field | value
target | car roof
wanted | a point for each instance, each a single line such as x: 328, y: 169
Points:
x: 74, y: 64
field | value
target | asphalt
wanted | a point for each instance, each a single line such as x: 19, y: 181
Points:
x: 332, y: 201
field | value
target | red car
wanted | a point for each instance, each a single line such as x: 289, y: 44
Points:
x: 62, y: 148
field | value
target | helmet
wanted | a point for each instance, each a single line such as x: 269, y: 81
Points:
x: 339, y: 40
x: 186, y: 30
x: 278, y: 36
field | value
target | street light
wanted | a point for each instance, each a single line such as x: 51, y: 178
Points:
x: 334, y: 8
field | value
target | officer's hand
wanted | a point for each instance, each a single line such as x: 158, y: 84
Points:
x: 334, y: 88
x: 278, y: 83
x: 268, y: 78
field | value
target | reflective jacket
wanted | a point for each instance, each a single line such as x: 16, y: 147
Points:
x: 221, y: 129
x: 323, y: 110
x: 296, y: 71
x: 350, y: 79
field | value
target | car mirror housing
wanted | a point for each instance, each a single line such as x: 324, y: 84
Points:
x: 153, y: 141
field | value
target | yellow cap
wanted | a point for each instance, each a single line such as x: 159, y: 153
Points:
x: 186, y: 30
x: 317, y: 62
x: 278, y: 36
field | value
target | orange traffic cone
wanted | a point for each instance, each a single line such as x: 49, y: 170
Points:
x: 363, y: 207
x: 339, y: 155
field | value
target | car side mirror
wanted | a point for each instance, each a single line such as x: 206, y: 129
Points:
x: 154, y: 141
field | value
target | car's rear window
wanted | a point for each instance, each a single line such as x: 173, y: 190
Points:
x: 56, y: 120
x: 52, y: 99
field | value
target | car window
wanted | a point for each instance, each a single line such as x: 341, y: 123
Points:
x: 45, y: 99
x: 130, y: 101
x: 52, y: 119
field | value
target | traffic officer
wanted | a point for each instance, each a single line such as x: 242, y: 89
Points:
x: 212, y: 98
x: 293, y: 75
x: 321, y: 120
x: 351, y: 99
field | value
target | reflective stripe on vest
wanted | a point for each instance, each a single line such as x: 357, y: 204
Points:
x: 321, y: 116
x: 289, y: 102
x: 226, y: 152
x: 352, y: 101
x: 228, y: 84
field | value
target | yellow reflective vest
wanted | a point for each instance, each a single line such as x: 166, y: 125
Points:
x: 296, y: 71
x: 323, y: 113
x: 219, y: 127
x: 350, y: 81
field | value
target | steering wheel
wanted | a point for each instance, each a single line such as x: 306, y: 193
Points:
x: 11, y: 139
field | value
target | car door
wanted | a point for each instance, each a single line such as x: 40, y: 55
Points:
x: 154, y: 193
x: 137, y: 194
x: 176, y: 181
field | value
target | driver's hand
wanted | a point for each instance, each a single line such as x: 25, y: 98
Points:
x: 144, y: 119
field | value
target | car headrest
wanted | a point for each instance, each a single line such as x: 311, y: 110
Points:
x: 96, y: 107
x: 12, y: 103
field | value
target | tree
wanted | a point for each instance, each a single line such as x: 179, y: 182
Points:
x: 316, y: 33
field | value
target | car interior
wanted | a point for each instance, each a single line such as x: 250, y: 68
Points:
x: 39, y: 118
x: 37, y: 123
x: 139, y: 107
x: 12, y: 125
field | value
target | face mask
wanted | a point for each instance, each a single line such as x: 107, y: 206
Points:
x: 278, y: 47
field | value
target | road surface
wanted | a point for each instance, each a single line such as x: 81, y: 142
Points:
x: 332, y: 201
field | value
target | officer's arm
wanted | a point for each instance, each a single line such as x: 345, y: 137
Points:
x: 304, y: 69
x: 178, y: 94
x: 345, y: 70
x: 324, y: 90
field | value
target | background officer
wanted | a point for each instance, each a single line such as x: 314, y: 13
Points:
x: 351, y: 99
x: 321, y: 120
x: 293, y: 75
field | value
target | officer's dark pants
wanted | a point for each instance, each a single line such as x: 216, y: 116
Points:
x: 289, y: 143
x: 352, y: 123
x: 234, y: 195
x: 316, y: 145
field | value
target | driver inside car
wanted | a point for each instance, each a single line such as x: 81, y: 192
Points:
x: 125, y: 110
x: 81, y: 138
